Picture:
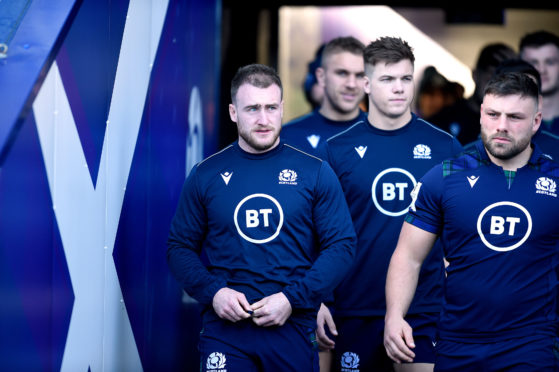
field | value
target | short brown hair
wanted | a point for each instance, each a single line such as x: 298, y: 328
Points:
x: 538, y: 39
x: 342, y: 44
x: 512, y: 83
x: 260, y: 76
x: 389, y: 50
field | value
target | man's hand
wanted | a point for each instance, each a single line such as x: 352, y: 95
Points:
x: 271, y: 310
x: 398, y: 340
x: 231, y: 305
x: 323, y: 318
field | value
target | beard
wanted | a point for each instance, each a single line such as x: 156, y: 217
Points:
x: 258, y: 144
x: 504, y: 151
x: 335, y: 99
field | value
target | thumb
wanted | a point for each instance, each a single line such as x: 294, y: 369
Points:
x: 408, y: 337
x: 331, y: 325
x: 258, y: 304
x: 244, y: 303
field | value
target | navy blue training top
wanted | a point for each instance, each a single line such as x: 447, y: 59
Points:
x: 308, y: 132
x: 500, y: 233
x: 266, y: 223
x: 377, y: 170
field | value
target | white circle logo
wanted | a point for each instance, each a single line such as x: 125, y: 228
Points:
x: 259, y: 217
x: 394, y: 191
x: 500, y: 225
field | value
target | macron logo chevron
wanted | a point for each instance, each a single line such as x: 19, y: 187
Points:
x: 361, y: 151
x: 226, y: 177
x: 472, y: 180
x: 313, y: 139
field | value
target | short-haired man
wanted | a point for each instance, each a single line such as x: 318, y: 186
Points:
x: 378, y: 161
x: 496, y: 209
x: 341, y: 75
x: 261, y: 235
x: 541, y: 49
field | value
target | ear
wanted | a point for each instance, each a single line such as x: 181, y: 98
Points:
x: 366, y: 84
x: 233, y: 112
x: 537, y: 122
x: 321, y: 76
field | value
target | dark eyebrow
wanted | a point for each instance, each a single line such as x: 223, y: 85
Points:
x: 517, y: 114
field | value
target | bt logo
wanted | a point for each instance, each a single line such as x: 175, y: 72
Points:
x: 258, y: 218
x: 498, y: 225
x: 253, y: 217
x: 504, y: 226
x: 391, y: 191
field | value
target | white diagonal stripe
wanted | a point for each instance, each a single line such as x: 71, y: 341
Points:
x: 100, y: 335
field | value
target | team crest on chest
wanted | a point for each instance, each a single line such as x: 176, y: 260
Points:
x: 287, y: 177
x: 421, y: 151
x: 546, y: 186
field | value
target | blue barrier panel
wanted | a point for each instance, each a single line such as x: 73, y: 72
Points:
x: 30, y: 53
x: 91, y: 182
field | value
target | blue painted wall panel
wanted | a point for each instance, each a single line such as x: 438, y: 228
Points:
x: 36, y: 290
x: 177, y: 127
x: 31, y: 49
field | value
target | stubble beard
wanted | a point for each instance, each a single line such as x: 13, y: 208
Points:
x: 337, y: 106
x: 504, y: 151
x: 259, y: 145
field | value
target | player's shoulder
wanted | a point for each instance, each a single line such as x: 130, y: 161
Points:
x: 432, y: 130
x: 470, y: 159
x: 300, y: 122
x: 348, y: 133
x: 549, y: 135
x: 299, y: 154
x: 545, y: 164
x: 216, y: 158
